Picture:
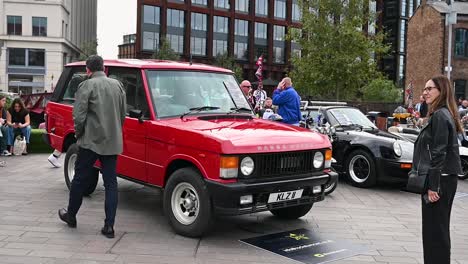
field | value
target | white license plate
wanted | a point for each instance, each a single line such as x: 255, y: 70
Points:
x: 284, y: 196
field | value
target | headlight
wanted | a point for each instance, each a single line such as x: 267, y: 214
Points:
x: 318, y: 159
x: 247, y: 166
x: 397, y: 149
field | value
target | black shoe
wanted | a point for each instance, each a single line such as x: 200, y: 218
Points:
x: 63, y: 214
x: 108, y: 231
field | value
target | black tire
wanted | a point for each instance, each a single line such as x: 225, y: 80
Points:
x: 329, y: 188
x: 187, y: 182
x: 69, y: 170
x: 464, y: 163
x: 293, y: 212
x: 360, y: 169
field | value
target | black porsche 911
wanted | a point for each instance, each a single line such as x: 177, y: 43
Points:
x: 364, y: 153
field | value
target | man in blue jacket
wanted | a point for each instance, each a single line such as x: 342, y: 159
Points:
x: 288, y: 102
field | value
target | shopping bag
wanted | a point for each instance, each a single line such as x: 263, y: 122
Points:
x: 19, y: 145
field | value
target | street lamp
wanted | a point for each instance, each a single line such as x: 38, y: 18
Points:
x: 450, y: 19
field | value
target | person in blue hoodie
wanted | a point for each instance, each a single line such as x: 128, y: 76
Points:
x: 288, y: 102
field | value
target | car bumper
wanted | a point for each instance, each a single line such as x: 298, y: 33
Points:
x: 226, y: 197
x: 392, y: 171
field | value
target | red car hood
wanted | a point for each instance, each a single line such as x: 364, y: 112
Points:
x: 244, y: 135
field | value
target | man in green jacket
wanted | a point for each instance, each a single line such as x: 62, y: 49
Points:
x: 98, y: 113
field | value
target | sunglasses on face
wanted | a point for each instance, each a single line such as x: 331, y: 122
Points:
x: 248, y: 86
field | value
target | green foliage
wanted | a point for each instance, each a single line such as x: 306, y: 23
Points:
x: 337, y: 57
x: 224, y: 61
x: 37, y: 144
x: 165, y: 52
x: 87, y: 49
x: 381, y: 90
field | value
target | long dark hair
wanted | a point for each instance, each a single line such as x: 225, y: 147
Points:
x: 1, y: 108
x: 17, y: 101
x: 446, y: 98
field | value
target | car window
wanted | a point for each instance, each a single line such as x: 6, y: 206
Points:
x: 176, y: 92
x: 76, y: 77
x: 133, y: 86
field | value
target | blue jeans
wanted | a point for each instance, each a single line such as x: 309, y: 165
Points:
x: 83, y: 171
x: 3, y: 138
x: 26, y: 131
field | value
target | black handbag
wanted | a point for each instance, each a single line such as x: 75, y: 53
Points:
x: 416, y: 183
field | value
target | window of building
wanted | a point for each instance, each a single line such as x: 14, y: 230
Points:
x: 296, y: 11
x: 220, y: 35
x: 39, y: 26
x: 402, y: 35
x: 261, y: 7
x: 460, y: 87
x: 36, y: 57
x: 461, y: 42
x: 16, y: 57
x: 175, y: 29
x: 200, y: 2
x: 198, y: 34
x: 372, y: 23
x: 241, y: 41
x: 14, y: 25
x: 261, y: 40
x: 242, y: 6
x: 280, y: 9
x: 410, y: 8
x: 151, y: 15
x: 401, y: 69
x: 278, y: 44
x: 221, y: 4
x: 26, y: 57
x: 150, y: 27
x: 295, y: 46
x: 150, y: 40
x: 404, y: 8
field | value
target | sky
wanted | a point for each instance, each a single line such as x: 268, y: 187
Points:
x: 115, y: 19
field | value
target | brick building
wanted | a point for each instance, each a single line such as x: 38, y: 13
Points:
x: 127, y: 48
x: 427, y: 46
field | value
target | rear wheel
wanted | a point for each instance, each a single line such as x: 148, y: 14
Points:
x: 187, y: 203
x: 360, y: 169
x: 464, y: 163
x: 293, y: 212
x: 69, y: 170
x: 331, y: 186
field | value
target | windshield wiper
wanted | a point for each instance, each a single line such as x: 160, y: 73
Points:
x: 199, y: 109
x: 240, y: 109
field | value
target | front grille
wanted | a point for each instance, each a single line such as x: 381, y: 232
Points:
x: 285, y: 163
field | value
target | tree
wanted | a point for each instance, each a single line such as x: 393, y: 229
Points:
x: 381, y: 90
x: 337, y: 57
x: 224, y: 61
x: 165, y: 52
x: 87, y: 49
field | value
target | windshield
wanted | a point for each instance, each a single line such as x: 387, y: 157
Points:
x: 351, y: 116
x: 175, y: 93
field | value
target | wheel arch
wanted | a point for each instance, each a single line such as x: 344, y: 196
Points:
x: 179, y: 162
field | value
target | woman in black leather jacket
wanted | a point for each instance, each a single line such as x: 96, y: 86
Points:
x: 436, y: 155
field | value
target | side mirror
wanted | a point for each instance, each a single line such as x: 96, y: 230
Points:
x: 136, y: 114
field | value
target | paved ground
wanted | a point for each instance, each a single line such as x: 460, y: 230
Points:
x: 384, y: 219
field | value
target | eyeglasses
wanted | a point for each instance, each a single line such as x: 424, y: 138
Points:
x: 429, y: 88
x: 248, y: 86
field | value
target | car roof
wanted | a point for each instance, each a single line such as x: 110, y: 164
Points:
x: 327, y: 107
x: 156, y: 64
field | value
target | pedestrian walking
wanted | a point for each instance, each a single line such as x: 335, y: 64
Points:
x: 99, y: 114
x: 436, y: 155
x: 288, y: 102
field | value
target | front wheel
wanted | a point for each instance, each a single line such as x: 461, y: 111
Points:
x: 464, y: 163
x: 292, y: 212
x: 330, y: 187
x: 69, y: 170
x: 187, y: 203
x: 360, y: 169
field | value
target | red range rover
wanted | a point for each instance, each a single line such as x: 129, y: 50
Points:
x: 190, y: 131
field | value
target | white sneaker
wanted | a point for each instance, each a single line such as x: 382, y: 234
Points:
x: 54, y: 161
x: 6, y: 153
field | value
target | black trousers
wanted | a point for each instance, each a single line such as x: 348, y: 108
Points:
x: 436, y: 223
x: 83, y: 170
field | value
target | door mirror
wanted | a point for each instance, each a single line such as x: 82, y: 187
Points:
x: 136, y: 114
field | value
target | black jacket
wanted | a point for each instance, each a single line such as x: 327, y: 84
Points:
x: 436, y: 149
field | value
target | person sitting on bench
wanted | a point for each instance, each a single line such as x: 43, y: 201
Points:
x: 18, y: 120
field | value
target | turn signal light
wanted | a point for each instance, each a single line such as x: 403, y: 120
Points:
x: 229, y: 162
x: 406, y: 165
x: 328, y: 154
